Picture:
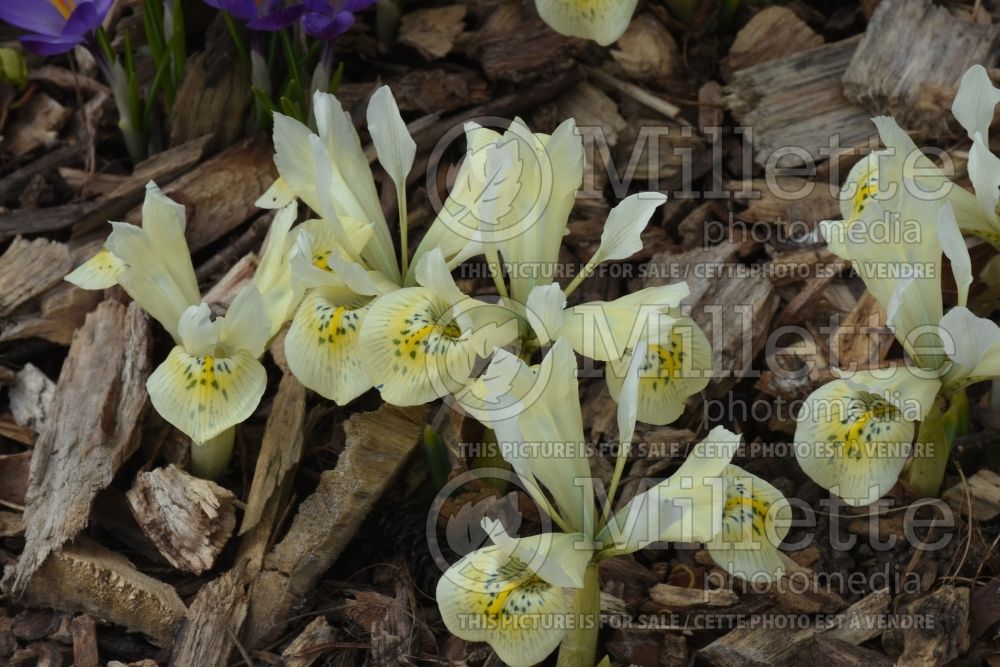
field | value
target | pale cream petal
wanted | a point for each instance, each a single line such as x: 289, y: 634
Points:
x: 204, y: 395
x: 973, y: 345
x: 677, y: 365
x: 544, y: 311
x: 393, y: 143
x: 956, y: 251
x: 531, y: 232
x: 975, y: 101
x: 535, y: 413
x: 350, y: 182
x: 458, y: 220
x: 164, y: 221
x: 558, y: 558
x: 685, y: 507
x: 603, y: 21
x: 628, y: 399
x: 755, y: 519
x: 278, y: 195
x: 488, y: 596
x: 414, y: 347
x: 99, y: 272
x: 322, y: 344
x: 273, y: 277
x: 198, y: 334
x: 245, y: 326
x: 851, y: 442
x: 621, y: 236
x: 295, y: 162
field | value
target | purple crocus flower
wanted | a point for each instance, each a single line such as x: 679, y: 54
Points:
x: 54, y: 26
x: 327, y: 19
x: 265, y: 15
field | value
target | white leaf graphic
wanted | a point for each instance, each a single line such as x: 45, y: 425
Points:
x: 501, y: 181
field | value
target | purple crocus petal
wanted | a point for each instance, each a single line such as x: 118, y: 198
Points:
x: 37, y: 16
x: 241, y: 10
x: 278, y: 19
x: 50, y: 45
x: 102, y: 7
x: 325, y: 26
x: 357, y: 5
x: 83, y: 20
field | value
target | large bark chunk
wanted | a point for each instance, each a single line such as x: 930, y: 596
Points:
x: 99, y: 398
x: 89, y: 578
x: 378, y: 444
x: 910, y: 61
x: 188, y: 519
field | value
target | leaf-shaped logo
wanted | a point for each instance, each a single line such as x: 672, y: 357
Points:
x: 464, y: 531
x: 500, y: 180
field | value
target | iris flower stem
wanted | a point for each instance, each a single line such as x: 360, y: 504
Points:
x: 585, y: 272
x: 613, y: 488
x: 209, y: 459
x: 404, y: 223
x: 493, y: 261
x: 579, y: 648
x: 930, y: 462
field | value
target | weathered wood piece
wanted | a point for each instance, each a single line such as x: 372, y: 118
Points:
x: 84, y: 632
x: 863, y: 339
x: 280, y: 450
x: 88, y: 578
x: 37, y: 125
x: 100, y: 397
x: 91, y: 215
x: 61, y: 312
x: 187, y: 518
x: 757, y: 644
x: 912, y: 49
x: 31, y: 397
x: 308, y: 646
x: 677, y: 597
x: 378, y: 444
x: 389, y: 622
x: 220, y: 192
x: 773, y: 32
x: 798, y: 102
x: 208, y: 632
x: 984, y: 488
x: 731, y: 305
x: 29, y: 268
x: 433, y: 31
x: 213, y: 97
x: 946, y: 614
x: 526, y: 51
x: 647, y: 51
x: 439, y: 90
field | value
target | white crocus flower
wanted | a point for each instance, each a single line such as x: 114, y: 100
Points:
x: 212, y: 379
x: 602, y: 21
x: 514, y: 593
